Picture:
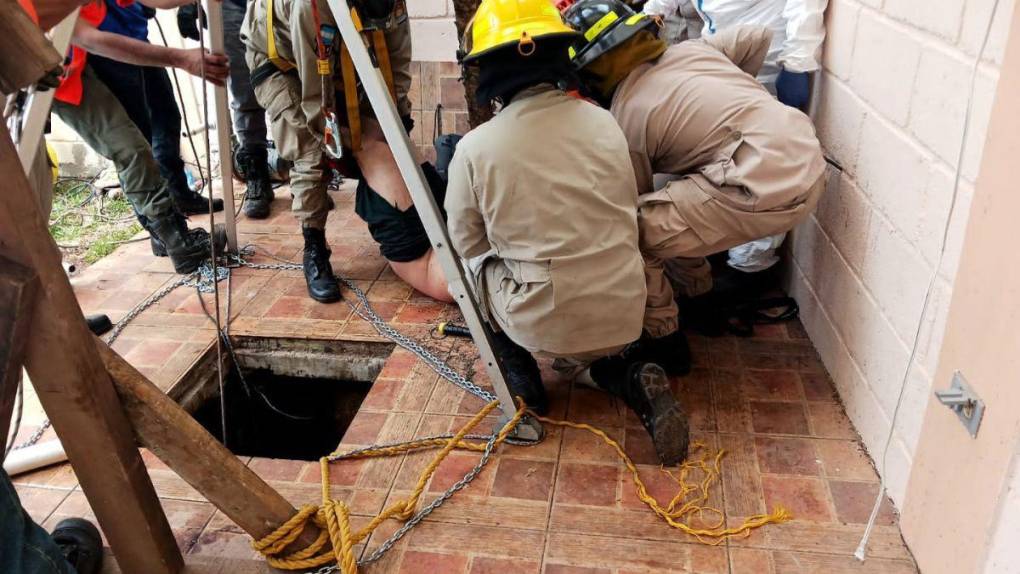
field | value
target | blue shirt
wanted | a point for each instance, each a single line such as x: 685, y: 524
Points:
x: 130, y: 21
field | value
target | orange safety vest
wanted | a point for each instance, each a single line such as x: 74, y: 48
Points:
x: 70, y: 89
x: 29, y: 8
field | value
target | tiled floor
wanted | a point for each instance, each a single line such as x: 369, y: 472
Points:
x: 565, y: 506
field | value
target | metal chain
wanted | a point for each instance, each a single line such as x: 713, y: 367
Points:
x: 200, y: 279
x: 366, y: 312
x: 387, y: 544
x: 203, y: 280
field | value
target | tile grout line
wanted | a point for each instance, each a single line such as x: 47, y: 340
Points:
x: 556, y: 479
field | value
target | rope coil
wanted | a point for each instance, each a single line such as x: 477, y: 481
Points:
x: 333, y: 516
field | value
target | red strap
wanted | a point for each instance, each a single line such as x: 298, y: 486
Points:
x: 29, y: 7
x: 320, y: 45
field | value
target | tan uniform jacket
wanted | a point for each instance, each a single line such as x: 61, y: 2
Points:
x: 545, y: 186
x: 294, y: 27
x: 699, y: 109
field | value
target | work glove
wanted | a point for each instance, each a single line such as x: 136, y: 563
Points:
x: 50, y: 80
x: 792, y: 88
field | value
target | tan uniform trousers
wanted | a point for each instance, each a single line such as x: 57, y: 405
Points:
x: 686, y: 221
x: 279, y: 95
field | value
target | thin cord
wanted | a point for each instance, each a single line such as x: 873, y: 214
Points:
x: 861, y: 552
x: 212, y: 236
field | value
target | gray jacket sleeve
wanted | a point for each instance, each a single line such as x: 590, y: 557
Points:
x: 745, y: 46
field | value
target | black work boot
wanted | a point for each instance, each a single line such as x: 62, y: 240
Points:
x: 80, y: 543
x: 522, y: 373
x: 259, y: 192
x: 187, y: 200
x: 322, y: 284
x: 98, y: 324
x: 187, y: 248
x: 645, y: 389
x: 671, y: 352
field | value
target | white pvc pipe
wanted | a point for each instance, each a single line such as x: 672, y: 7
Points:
x: 33, y: 457
x: 214, y: 11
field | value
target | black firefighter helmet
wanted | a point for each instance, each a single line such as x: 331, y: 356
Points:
x: 604, y: 24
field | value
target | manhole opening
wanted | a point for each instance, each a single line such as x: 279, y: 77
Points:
x: 296, y: 399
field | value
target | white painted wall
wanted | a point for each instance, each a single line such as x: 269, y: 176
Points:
x: 894, y: 94
x: 433, y: 32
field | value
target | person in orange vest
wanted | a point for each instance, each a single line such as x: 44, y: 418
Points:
x: 88, y: 107
x: 145, y: 91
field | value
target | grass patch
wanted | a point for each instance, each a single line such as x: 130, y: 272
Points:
x: 87, y: 223
x: 105, y: 244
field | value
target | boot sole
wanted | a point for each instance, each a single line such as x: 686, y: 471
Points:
x: 672, y: 431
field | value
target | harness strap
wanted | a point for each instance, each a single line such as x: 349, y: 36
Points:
x: 274, y: 56
x: 351, y: 97
x: 382, y: 56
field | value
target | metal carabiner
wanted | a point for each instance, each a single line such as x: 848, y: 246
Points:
x: 331, y: 141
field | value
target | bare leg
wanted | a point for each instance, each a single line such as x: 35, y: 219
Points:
x: 376, y: 162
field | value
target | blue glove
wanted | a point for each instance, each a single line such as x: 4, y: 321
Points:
x: 792, y: 88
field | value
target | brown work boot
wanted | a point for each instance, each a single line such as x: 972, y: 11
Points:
x: 644, y: 387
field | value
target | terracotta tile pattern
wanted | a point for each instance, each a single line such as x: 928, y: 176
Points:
x: 565, y: 506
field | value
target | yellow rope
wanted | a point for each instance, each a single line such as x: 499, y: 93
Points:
x: 332, y: 517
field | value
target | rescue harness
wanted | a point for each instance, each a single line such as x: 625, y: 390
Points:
x: 325, y: 37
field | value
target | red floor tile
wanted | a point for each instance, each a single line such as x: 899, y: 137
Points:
x: 854, y: 502
x: 527, y: 479
x: 845, y: 459
x: 828, y: 420
x: 486, y: 565
x: 778, y: 417
x: 590, y: 484
x: 775, y: 385
x: 805, y: 498
x: 786, y: 456
x: 415, y: 562
x: 581, y: 445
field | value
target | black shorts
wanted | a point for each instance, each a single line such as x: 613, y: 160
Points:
x: 400, y: 234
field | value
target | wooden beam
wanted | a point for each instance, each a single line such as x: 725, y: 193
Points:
x: 35, y: 55
x: 76, y: 390
x: 18, y: 287
x: 177, y: 439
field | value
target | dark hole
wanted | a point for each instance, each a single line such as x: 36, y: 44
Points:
x: 283, y: 416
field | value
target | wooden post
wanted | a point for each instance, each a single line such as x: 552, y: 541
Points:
x: 178, y: 440
x: 35, y: 55
x: 76, y: 390
x: 18, y: 287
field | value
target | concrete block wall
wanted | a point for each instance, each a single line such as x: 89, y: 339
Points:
x: 895, y: 91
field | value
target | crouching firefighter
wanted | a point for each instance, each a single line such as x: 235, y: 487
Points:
x: 744, y: 165
x: 551, y: 239
x: 300, y: 69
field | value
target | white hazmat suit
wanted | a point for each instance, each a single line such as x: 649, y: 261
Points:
x: 798, y: 29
